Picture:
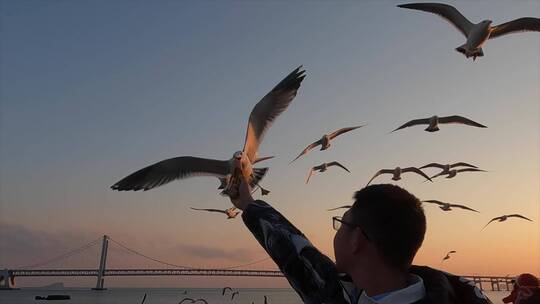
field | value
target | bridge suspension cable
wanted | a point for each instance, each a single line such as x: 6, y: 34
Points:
x: 147, y: 257
x: 182, y: 266
x: 62, y: 256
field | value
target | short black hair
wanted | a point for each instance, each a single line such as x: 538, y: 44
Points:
x: 394, y: 221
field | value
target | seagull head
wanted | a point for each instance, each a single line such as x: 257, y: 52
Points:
x: 237, y: 155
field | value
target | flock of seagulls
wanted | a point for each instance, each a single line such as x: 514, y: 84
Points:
x: 274, y: 103
x: 224, y: 293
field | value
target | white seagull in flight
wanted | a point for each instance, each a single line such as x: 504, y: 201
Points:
x: 503, y: 218
x: 476, y: 34
x: 261, y: 118
x: 447, y: 206
x: 325, y: 140
x: 434, y: 121
x: 323, y: 167
x: 397, y: 173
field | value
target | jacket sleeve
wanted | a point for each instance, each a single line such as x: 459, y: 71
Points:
x: 312, y: 274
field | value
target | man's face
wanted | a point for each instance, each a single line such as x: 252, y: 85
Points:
x: 344, y: 243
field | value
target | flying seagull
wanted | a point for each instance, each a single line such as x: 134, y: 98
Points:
x: 341, y: 207
x: 397, y: 173
x: 447, y: 206
x: 325, y: 140
x: 448, y: 255
x: 261, y: 118
x: 234, y: 294
x: 503, y: 218
x: 434, y: 121
x: 231, y: 212
x: 446, y: 168
x: 476, y: 34
x: 323, y: 167
x: 454, y: 172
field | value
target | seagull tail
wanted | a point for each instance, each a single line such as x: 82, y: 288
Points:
x: 258, y: 174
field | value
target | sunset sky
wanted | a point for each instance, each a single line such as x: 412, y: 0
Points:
x: 91, y: 91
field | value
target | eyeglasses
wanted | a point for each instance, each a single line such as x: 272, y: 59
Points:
x: 337, y: 221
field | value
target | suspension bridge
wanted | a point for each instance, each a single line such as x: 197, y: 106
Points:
x: 7, y: 276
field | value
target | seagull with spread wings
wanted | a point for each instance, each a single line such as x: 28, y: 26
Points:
x: 434, y: 121
x: 324, y: 142
x: 476, y: 34
x: 397, y: 173
x: 503, y: 218
x: 323, y: 167
x: 448, y: 255
x: 447, y: 167
x: 261, y: 118
x: 447, y: 206
x: 454, y: 172
x: 230, y: 212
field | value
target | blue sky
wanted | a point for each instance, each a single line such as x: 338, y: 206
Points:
x: 92, y: 91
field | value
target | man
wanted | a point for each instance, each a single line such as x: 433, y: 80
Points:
x: 526, y: 290
x: 374, y: 246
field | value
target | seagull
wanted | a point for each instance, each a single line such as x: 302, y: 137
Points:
x: 234, y: 294
x: 446, y: 168
x: 324, y: 166
x: 397, y: 173
x: 503, y: 218
x: 231, y: 212
x: 225, y: 289
x: 187, y: 299
x: 448, y: 255
x: 476, y: 34
x: 454, y: 172
x: 448, y: 206
x: 261, y: 118
x: 325, y: 140
x: 341, y: 207
x: 434, y: 121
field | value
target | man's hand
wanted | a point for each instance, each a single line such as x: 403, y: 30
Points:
x: 242, y: 198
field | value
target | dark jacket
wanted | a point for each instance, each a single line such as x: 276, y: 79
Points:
x: 314, y: 276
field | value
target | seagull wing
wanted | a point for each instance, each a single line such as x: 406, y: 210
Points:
x: 308, y: 148
x: 171, y: 169
x: 383, y: 171
x: 418, y: 171
x: 268, y: 109
x: 225, y: 289
x: 210, y: 210
x: 445, y: 11
x: 463, y: 207
x: 341, y: 207
x: 451, y: 251
x: 414, y: 122
x: 461, y: 164
x: 335, y: 163
x: 526, y: 24
x: 309, y: 175
x: 434, y: 202
x: 460, y: 120
x: 520, y: 216
x: 493, y: 219
x: 470, y: 170
x: 434, y: 165
x: 342, y: 130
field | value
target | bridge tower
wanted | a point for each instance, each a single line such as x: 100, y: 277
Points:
x: 102, y: 262
x: 7, y: 280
